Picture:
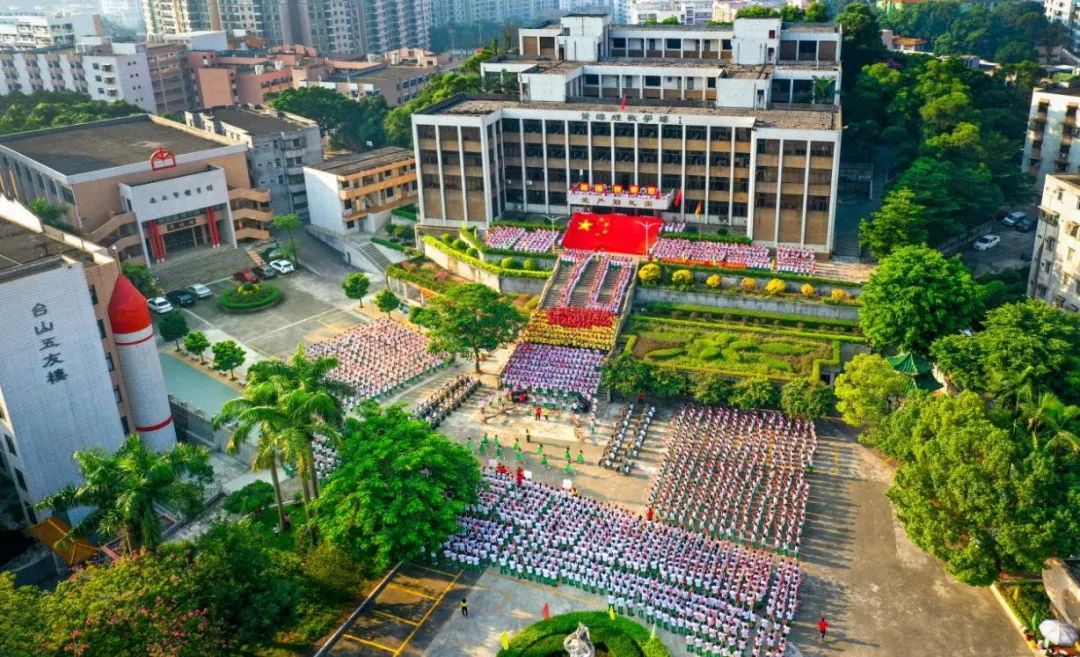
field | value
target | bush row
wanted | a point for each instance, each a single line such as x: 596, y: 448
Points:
x: 405, y: 212
x: 670, y: 267
x: 388, y: 244
x: 621, y: 637
x: 688, y: 311
x: 265, y: 295
x: 461, y: 255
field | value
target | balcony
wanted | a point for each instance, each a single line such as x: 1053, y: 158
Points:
x: 111, y: 226
x: 249, y: 232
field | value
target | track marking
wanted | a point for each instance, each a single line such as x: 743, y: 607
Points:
x: 432, y: 570
x: 395, y: 618
x: 428, y: 613
x: 368, y: 643
x: 412, y: 590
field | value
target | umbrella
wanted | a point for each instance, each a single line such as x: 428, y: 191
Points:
x: 1058, y: 633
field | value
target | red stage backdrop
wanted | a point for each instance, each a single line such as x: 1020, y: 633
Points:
x: 614, y: 233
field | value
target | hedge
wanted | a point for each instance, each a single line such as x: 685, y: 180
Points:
x: 709, y: 237
x: 429, y: 282
x: 482, y: 264
x: 621, y: 637
x: 405, y: 212
x: 1028, y: 602
x: 664, y: 309
x: 668, y: 267
x: 388, y: 244
x: 267, y: 296
x: 777, y: 330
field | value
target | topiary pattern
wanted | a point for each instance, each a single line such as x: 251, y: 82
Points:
x: 775, y: 287
x: 714, y: 282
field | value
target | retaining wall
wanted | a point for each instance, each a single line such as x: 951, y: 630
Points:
x: 747, y: 302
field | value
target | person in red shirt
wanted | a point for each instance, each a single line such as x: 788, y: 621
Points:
x: 822, y: 627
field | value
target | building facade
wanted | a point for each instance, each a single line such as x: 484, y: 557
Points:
x: 1066, y: 12
x: 396, y: 84
x: 731, y: 126
x: 687, y: 12
x: 29, y: 32
x: 354, y: 193
x: 1055, y: 261
x: 142, y: 186
x: 179, y: 16
x: 279, y: 145
x: 1048, y: 146
x: 125, y: 13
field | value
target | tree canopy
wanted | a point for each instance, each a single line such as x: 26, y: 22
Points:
x: 868, y: 390
x: 398, y: 491
x: 51, y: 109
x: 351, y: 124
x: 468, y: 320
x: 915, y: 296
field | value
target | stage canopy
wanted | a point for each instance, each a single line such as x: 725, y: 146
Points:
x: 614, y: 233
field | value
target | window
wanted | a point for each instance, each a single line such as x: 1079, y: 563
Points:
x: 21, y: 480
x: 116, y: 394
x: 93, y: 295
x: 109, y: 362
x: 101, y: 329
x: 10, y: 443
x: 124, y: 426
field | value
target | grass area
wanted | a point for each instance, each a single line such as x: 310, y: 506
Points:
x: 1029, y: 602
x: 732, y: 349
x: 621, y: 637
x: 748, y: 317
x: 425, y: 273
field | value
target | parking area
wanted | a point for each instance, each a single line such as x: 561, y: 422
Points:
x: 312, y: 309
x: 1013, y: 252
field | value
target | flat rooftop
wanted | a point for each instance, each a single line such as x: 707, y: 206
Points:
x: 254, y: 122
x: 825, y: 118
x: 344, y: 165
x: 21, y: 246
x: 105, y: 144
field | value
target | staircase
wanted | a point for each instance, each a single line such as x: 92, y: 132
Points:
x: 846, y: 246
x: 375, y: 256
x: 579, y: 298
x: 204, y: 266
x: 558, y: 283
x: 654, y: 449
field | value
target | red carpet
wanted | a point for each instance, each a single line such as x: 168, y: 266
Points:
x: 614, y: 233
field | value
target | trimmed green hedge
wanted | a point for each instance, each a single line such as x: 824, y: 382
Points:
x: 482, y: 264
x: 736, y: 326
x: 707, y: 237
x: 669, y: 267
x: 666, y: 309
x: 425, y: 280
x: 267, y: 296
x: 1029, y: 603
x: 388, y: 244
x: 620, y: 638
x: 405, y: 212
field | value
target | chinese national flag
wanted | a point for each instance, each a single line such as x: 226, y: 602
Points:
x: 615, y: 233
x: 622, y: 104
x: 678, y: 198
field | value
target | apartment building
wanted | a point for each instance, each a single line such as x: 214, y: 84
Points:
x: 179, y: 16
x: 125, y: 13
x: 279, y: 145
x: 390, y: 24
x: 140, y: 185
x: 730, y: 127
x: 43, y: 69
x: 1066, y: 12
x: 29, y: 32
x: 396, y: 84
x: 687, y: 12
x: 354, y: 193
x: 1052, y: 127
x: 1055, y: 261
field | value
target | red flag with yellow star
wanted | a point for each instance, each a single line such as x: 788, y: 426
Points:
x: 615, y: 233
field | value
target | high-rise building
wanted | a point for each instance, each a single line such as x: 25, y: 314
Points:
x: 330, y: 26
x: 687, y: 12
x: 28, y: 32
x: 65, y: 384
x: 125, y: 13
x: 1066, y: 12
x: 279, y: 145
x: 733, y: 126
x: 179, y: 16
x: 1055, y: 261
x: 1052, y: 127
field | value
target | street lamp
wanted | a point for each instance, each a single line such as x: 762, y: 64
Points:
x: 645, y: 225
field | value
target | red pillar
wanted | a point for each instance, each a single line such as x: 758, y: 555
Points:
x: 211, y: 224
x: 157, y: 249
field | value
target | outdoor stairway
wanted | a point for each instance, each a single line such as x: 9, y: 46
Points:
x: 607, y: 286
x: 846, y: 245
x: 558, y: 284
x: 375, y: 256
x: 204, y: 266
x: 844, y: 271
x: 653, y: 450
x: 579, y: 298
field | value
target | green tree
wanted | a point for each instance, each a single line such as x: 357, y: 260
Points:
x: 173, y: 326
x: 757, y: 11
x: 195, y: 343
x: 1053, y: 424
x: 142, y: 278
x: 753, y: 392
x: 868, y: 391
x: 807, y: 399
x: 468, y: 320
x: 668, y: 383
x: 356, y: 286
x: 227, y: 357
x: 51, y: 214
x: 816, y: 12
x: 915, y: 296
x: 710, y: 388
x: 288, y: 223
x: 398, y: 491
x: 356, y: 125
x: 20, y: 607
x: 862, y: 39
x: 387, y: 301
x: 899, y: 222
x: 123, y: 489
x: 626, y: 375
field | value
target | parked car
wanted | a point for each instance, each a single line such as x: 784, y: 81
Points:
x: 282, y: 266
x: 180, y: 298
x: 264, y: 273
x: 160, y: 305
x: 246, y: 276
x: 986, y: 242
x: 1025, y: 225
x: 1013, y: 218
x: 200, y: 290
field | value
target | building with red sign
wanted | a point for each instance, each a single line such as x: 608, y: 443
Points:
x: 143, y: 186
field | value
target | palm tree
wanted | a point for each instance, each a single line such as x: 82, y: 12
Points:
x: 124, y: 489
x: 1051, y: 422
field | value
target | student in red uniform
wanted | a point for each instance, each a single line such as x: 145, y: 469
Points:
x: 822, y: 627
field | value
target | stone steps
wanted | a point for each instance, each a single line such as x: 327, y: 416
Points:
x: 202, y: 267
x: 375, y: 256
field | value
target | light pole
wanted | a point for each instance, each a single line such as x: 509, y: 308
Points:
x: 645, y: 225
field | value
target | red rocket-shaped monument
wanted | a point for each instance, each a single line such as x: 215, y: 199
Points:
x: 133, y: 334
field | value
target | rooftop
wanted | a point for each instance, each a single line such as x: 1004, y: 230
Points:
x: 823, y: 117
x: 22, y: 246
x: 344, y: 165
x: 105, y: 144
x: 253, y: 121
x: 1060, y: 91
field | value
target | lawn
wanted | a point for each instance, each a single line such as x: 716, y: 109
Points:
x: 730, y: 349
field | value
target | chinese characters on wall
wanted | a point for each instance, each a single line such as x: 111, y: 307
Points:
x: 48, y: 345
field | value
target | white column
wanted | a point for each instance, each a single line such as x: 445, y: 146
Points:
x: 442, y: 181
x: 461, y: 164
x: 806, y: 195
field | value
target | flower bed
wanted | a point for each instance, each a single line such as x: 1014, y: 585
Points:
x: 249, y: 297
x: 621, y: 637
x: 560, y: 326
x: 1028, y: 602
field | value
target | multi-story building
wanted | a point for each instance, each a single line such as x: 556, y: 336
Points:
x: 396, y: 84
x: 1066, y: 12
x: 269, y: 21
x: 279, y: 145
x: 43, y: 69
x: 329, y: 26
x: 125, y: 13
x: 117, y: 72
x: 355, y: 192
x: 65, y: 384
x: 731, y: 125
x: 170, y: 77
x: 687, y: 12
x: 1055, y: 262
x: 179, y: 16
x: 28, y: 32
x: 142, y: 186
x: 724, y: 11
x: 391, y: 24
x: 1052, y: 127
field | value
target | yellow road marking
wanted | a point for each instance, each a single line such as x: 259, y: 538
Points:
x: 411, y: 590
x: 432, y: 570
x: 369, y: 643
x: 836, y: 462
x: 393, y: 617
x: 427, y: 614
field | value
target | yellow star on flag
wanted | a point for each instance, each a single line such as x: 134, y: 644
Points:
x: 585, y: 225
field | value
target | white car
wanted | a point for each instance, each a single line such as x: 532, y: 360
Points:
x: 282, y: 266
x: 986, y: 242
x: 1013, y: 218
x: 160, y: 305
x: 200, y: 290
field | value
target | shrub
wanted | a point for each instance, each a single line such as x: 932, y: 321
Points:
x: 683, y: 278
x: 460, y: 244
x: 807, y: 399
x: 447, y: 237
x: 249, y: 296
x: 473, y: 252
x: 530, y: 264
x: 256, y: 496
x: 510, y: 263
x: 333, y: 572
x: 621, y: 637
x: 775, y: 287
x: 839, y: 295
x: 710, y: 388
x: 665, y: 354
x: 713, y: 281
x: 649, y: 274
x: 752, y: 393
x: 808, y: 290
x: 748, y: 284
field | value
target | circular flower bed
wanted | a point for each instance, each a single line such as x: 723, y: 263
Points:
x: 619, y: 638
x: 249, y: 297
